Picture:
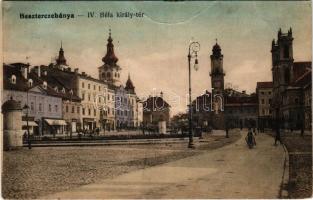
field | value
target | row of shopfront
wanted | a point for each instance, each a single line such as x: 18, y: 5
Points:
x: 54, y: 127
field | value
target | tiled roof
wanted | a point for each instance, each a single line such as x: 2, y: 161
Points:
x: 264, y: 84
x: 14, y: 69
x: 299, y: 68
x: 241, y: 100
x: 305, y: 79
x: 50, y: 78
x: 203, y: 99
x: 155, y: 103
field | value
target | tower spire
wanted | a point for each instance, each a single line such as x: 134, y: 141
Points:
x: 110, y: 57
x: 129, y: 85
x: 61, y: 59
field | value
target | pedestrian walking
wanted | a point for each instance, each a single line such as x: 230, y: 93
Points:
x: 277, y: 136
x: 250, y: 139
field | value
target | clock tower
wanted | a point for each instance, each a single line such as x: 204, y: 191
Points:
x: 217, y: 81
x: 217, y: 73
x: 110, y: 70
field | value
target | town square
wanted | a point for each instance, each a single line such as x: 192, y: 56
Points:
x: 165, y: 100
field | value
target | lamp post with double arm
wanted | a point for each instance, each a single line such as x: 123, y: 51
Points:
x: 194, y: 48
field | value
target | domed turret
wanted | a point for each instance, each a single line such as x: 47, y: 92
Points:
x: 110, y: 57
x: 11, y: 105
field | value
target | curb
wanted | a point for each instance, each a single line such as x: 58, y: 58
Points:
x: 283, y: 193
x: 112, y: 142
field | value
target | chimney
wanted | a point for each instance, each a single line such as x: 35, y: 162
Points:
x: 39, y: 72
x: 84, y: 73
x: 76, y: 70
x: 161, y: 94
x: 243, y: 92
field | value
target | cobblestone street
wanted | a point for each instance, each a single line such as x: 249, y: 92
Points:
x: 300, y: 164
x: 41, y: 171
x: 233, y: 171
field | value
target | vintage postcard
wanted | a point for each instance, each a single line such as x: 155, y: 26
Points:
x: 156, y: 100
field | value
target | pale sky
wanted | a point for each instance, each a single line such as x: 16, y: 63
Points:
x: 153, y: 49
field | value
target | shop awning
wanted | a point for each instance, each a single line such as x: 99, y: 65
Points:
x: 56, y: 122
x: 30, y: 123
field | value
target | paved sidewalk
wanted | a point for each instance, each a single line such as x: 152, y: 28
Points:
x: 233, y: 171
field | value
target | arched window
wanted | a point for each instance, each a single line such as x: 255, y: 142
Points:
x: 13, y: 79
x: 103, y: 75
x: 45, y: 85
x: 108, y: 74
x: 30, y: 83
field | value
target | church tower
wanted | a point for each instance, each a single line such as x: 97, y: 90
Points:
x: 282, y: 67
x: 110, y: 71
x: 217, y: 73
x: 282, y: 59
x: 130, y: 86
x: 61, y: 61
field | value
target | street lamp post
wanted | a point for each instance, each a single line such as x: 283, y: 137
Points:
x: 194, y: 47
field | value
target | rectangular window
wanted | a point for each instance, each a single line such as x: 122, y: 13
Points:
x: 99, y: 88
x: 56, y: 108
x: 66, y: 108
x: 50, y: 108
x: 270, y: 101
x: 32, y: 106
x: 83, y: 96
x: 73, y: 109
x: 94, y: 87
x: 89, y: 112
x: 94, y: 112
x: 83, y: 111
x: 40, y: 107
x: 88, y: 86
x: 262, y: 101
x: 78, y: 110
x: 83, y: 84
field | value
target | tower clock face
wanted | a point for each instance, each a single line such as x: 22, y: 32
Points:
x: 217, y: 84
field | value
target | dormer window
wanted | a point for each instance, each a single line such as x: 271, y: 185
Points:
x: 56, y: 88
x: 63, y: 90
x: 13, y: 79
x: 45, y: 85
x: 71, y: 92
x: 30, y: 83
